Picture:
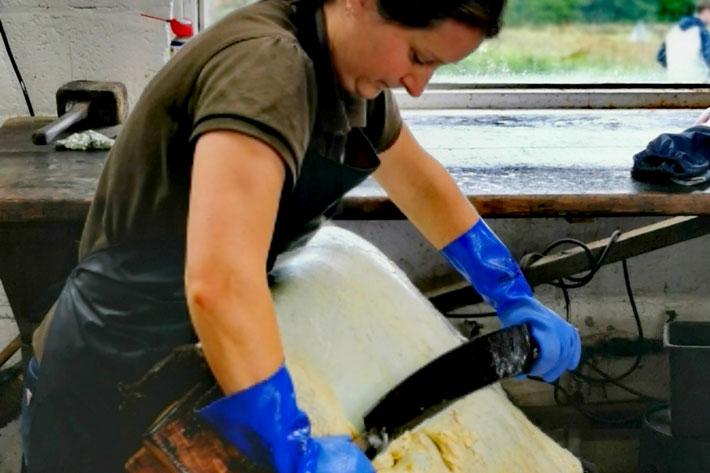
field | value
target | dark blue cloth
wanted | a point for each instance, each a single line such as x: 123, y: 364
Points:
x: 673, y: 157
x: 685, y: 23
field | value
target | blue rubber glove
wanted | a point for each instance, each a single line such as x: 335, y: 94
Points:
x: 487, y: 264
x: 265, y: 424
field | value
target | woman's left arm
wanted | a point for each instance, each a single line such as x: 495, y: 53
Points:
x: 429, y: 197
x: 424, y: 191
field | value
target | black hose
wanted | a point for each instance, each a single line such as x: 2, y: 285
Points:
x: 573, y: 282
x: 17, y: 70
x: 605, y: 378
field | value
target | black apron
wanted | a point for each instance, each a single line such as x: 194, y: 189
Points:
x: 123, y: 309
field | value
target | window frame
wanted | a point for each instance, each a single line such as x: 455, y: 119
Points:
x: 462, y: 96
x: 550, y: 96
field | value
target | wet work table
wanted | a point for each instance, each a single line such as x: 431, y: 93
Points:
x: 527, y: 164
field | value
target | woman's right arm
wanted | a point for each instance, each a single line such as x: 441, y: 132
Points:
x: 234, y: 198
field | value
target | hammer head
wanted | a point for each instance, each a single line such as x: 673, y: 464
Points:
x: 108, y: 101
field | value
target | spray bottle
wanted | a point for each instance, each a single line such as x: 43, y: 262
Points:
x: 181, y: 28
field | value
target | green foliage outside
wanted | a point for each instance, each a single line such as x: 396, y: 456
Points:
x: 520, y: 12
x: 563, y: 41
x: 546, y: 12
x: 573, y: 52
x: 671, y: 10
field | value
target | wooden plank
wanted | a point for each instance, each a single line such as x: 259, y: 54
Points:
x: 529, y: 206
x: 574, y: 261
x: 560, y: 174
x: 10, y: 350
x: 179, y: 442
x: 145, y: 462
x: 629, y: 244
x: 570, y: 96
x: 381, y: 208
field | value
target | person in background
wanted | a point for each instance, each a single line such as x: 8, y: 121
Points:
x: 685, y: 53
x: 234, y: 153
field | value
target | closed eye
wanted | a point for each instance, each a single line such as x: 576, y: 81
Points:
x: 416, y: 59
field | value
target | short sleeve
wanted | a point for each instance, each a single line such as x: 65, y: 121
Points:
x: 384, y: 121
x: 263, y: 87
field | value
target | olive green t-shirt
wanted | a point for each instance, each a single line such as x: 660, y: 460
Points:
x: 248, y: 73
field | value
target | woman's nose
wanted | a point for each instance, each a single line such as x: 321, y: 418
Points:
x: 416, y: 81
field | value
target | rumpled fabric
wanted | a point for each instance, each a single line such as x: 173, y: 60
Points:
x: 88, y: 140
x: 680, y: 158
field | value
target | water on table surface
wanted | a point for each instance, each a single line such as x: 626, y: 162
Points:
x: 498, y: 151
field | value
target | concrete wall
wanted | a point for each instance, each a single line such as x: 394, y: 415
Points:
x: 55, y: 41
x: 676, y: 278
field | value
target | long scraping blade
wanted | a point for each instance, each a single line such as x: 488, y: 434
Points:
x: 471, y: 366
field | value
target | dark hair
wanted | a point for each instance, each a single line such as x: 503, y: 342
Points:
x: 483, y: 14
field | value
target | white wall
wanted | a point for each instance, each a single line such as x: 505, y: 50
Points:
x: 55, y: 41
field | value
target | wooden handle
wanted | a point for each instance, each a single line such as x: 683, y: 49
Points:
x: 10, y: 350
x: 47, y: 134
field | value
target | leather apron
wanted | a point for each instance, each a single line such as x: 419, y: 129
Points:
x: 123, y: 309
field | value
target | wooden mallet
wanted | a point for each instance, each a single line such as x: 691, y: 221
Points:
x: 89, y: 104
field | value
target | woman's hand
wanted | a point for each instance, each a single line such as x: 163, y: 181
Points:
x: 487, y: 264
x: 266, y: 425
x: 558, y: 341
x: 703, y: 119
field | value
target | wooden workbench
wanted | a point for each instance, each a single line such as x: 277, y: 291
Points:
x: 45, y: 194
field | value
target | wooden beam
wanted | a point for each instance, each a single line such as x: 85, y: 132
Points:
x: 10, y: 350
x: 553, y: 205
x: 574, y: 261
x: 632, y: 243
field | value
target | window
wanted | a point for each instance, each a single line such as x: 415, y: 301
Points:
x: 216, y: 9
x: 573, y: 41
x: 561, y: 41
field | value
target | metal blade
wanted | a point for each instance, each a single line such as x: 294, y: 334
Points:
x: 471, y: 366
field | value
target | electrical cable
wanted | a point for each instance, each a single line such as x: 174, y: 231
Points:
x: 573, y: 282
x: 594, y: 264
x: 640, y: 341
x: 572, y: 401
x: 17, y: 70
x: 577, y: 282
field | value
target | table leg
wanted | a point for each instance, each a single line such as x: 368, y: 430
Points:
x: 35, y: 258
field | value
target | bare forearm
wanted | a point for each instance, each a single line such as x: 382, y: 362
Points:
x: 236, y: 184
x: 237, y: 327
x: 425, y: 192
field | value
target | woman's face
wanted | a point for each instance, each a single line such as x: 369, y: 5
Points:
x: 370, y: 54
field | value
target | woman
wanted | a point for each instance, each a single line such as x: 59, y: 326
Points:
x: 233, y: 154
